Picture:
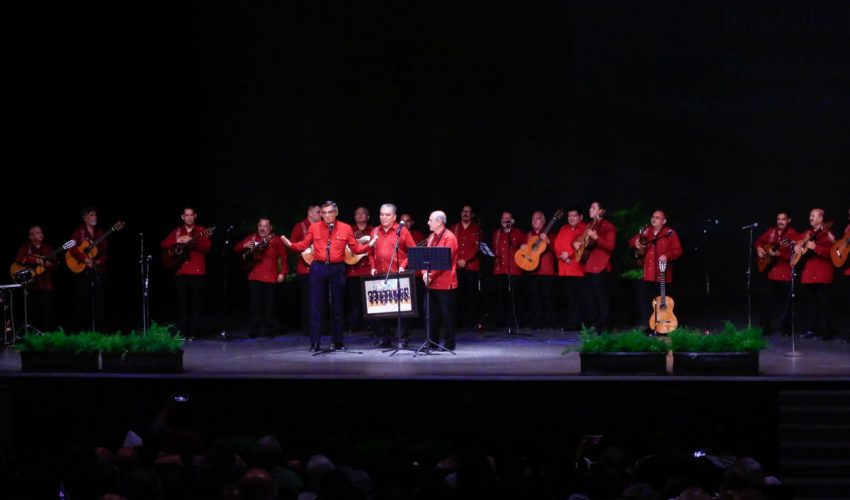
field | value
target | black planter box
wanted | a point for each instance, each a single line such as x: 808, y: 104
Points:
x: 32, y: 361
x: 715, y: 363
x: 620, y: 363
x: 143, y: 362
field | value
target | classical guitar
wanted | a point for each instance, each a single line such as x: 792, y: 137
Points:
x: 800, y: 247
x: 21, y: 272
x: 766, y: 262
x: 581, y: 253
x: 839, y: 250
x: 663, y: 321
x: 528, y: 255
x: 352, y: 258
x: 89, y: 249
x: 173, y: 258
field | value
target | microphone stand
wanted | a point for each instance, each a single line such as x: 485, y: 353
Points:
x: 144, y: 268
x: 399, y: 342
x: 792, y: 294
x: 512, y: 292
x: 224, y: 252
x: 750, y: 281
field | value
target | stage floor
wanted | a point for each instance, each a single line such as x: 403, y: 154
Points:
x: 488, y: 356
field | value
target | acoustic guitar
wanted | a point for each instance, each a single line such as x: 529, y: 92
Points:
x: 839, y: 250
x: 89, y: 249
x: 800, y: 248
x: 21, y: 272
x: 663, y: 321
x: 581, y: 253
x: 173, y: 258
x: 528, y: 255
x: 352, y: 258
x: 766, y: 262
x: 248, y: 253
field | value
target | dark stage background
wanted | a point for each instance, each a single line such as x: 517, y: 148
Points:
x: 717, y: 112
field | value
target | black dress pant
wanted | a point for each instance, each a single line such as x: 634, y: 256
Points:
x: 443, y: 313
x: 598, y: 302
x: 190, y: 300
x: 508, y: 300
x: 40, y: 309
x: 776, y: 308
x: 540, y: 300
x: 90, y: 300
x: 819, y: 317
x: 467, y: 291
x: 573, y: 288
x: 354, y: 303
x: 262, y: 313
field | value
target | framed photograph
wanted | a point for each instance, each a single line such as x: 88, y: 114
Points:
x: 383, y: 299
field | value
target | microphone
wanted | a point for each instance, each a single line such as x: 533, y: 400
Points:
x: 149, y: 258
x: 398, y: 231
x: 751, y: 226
x: 331, y: 227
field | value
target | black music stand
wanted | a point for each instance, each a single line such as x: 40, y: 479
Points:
x: 429, y: 259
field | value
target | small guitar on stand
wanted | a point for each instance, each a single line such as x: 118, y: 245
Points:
x: 839, y: 250
x: 663, y: 321
x: 800, y: 248
x: 22, y: 273
x: 173, y: 258
x: 766, y: 262
x: 352, y: 258
x: 528, y: 255
x: 89, y: 249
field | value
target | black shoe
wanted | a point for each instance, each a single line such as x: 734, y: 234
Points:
x: 338, y: 346
x: 450, y: 347
x: 404, y: 342
x: 809, y: 335
x: 314, y: 347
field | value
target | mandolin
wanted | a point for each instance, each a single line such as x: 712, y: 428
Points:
x: 248, y: 253
x: 839, y: 250
x: 766, y: 262
x: 581, y: 254
x: 528, y: 255
x: 663, y: 321
x: 19, y: 271
x: 800, y: 247
x: 352, y: 258
x: 89, y: 249
x: 173, y: 258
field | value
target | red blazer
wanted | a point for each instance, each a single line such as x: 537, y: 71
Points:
x: 665, y: 243
x: 505, y: 245
x: 268, y: 262
x: 547, y: 259
x: 382, y: 252
x: 318, y: 234
x: 818, y: 267
x: 599, y: 256
x: 299, y: 230
x: 195, y: 265
x: 564, y: 243
x: 80, y: 235
x: 444, y: 279
x: 846, y: 267
x: 362, y: 268
x: 467, y: 244
x: 27, y: 256
x: 417, y: 236
x: 781, y: 268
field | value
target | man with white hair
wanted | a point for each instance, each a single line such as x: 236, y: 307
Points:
x: 442, y: 283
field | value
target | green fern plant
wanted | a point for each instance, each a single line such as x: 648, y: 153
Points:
x: 634, y: 340
x: 730, y: 339
x: 59, y: 341
x: 158, y: 338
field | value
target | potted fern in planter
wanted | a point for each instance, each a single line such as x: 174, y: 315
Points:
x: 629, y: 352
x: 60, y: 352
x: 156, y: 351
x: 729, y: 352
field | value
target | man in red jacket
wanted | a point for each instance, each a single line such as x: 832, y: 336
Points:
x: 570, y: 270
x: 189, y: 276
x: 506, y: 273
x: 602, y: 238
x: 353, y: 273
x: 776, y: 243
x: 327, y: 272
x: 266, y: 256
x: 468, y: 234
x: 816, y: 276
x: 846, y: 279
x: 386, y: 258
x: 302, y: 268
x: 442, y: 283
x: 540, y: 282
x: 658, y: 243
x: 33, y: 254
x: 91, y: 283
